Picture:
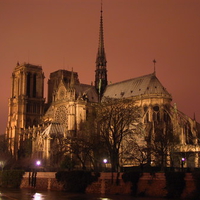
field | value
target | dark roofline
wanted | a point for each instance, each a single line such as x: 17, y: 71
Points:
x: 63, y: 70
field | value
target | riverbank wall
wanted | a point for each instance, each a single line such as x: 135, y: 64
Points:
x: 112, y: 183
x: 41, y: 180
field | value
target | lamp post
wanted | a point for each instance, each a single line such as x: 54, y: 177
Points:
x: 105, y: 162
x: 182, y: 162
x: 34, y: 173
x: 38, y: 163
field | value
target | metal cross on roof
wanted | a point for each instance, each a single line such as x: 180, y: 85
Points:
x: 154, y: 61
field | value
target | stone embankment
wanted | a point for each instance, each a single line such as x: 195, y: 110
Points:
x: 41, y: 180
x: 108, y: 183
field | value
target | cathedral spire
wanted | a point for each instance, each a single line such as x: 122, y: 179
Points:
x: 101, y: 57
x: 101, y: 71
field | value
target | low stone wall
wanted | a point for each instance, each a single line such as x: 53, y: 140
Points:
x: 107, y: 184
x: 112, y: 183
x: 41, y: 180
x: 148, y: 185
x: 189, y: 187
x: 152, y: 185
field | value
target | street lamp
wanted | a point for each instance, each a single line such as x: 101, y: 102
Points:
x: 38, y: 163
x: 34, y: 173
x: 183, y: 159
x: 105, y: 162
x: 182, y: 162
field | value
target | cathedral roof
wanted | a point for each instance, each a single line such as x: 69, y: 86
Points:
x: 53, y: 129
x: 143, y: 85
x: 88, y: 91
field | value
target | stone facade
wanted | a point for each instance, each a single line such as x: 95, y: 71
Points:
x: 26, y: 105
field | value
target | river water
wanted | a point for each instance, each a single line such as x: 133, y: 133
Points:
x: 27, y: 194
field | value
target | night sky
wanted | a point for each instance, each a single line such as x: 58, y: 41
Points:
x: 63, y: 34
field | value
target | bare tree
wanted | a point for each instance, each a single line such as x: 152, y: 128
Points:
x: 136, y: 152
x: 85, y: 145
x: 116, y: 119
x: 162, y: 143
x: 58, y: 149
x: 80, y: 147
x: 5, y: 155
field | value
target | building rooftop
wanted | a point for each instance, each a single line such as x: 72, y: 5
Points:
x: 143, y: 85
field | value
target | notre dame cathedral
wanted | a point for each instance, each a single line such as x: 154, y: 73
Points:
x: 69, y: 101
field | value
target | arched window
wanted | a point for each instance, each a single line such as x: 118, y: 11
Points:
x: 146, y: 114
x: 35, y: 108
x: 35, y: 122
x: 156, y: 113
x: 166, y: 117
x: 28, y: 108
x: 156, y: 108
x: 28, y: 85
x: 28, y: 122
x: 34, y: 85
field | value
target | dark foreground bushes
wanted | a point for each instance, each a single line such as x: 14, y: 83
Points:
x: 11, y: 178
x: 175, y: 184
x: 132, y: 177
x: 196, y: 177
x: 76, y: 181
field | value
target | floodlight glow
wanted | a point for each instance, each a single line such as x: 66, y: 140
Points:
x: 105, y: 160
x: 183, y: 159
x: 38, y: 163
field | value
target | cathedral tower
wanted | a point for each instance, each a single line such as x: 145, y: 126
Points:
x: 26, y: 105
x: 55, y: 78
x: 101, y: 71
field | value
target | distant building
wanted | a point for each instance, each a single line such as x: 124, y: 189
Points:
x: 69, y: 103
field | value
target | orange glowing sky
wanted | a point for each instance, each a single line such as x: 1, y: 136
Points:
x: 63, y: 34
